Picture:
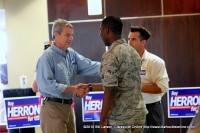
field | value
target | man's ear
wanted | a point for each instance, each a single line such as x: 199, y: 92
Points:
x: 55, y: 34
x: 144, y: 42
x: 107, y: 30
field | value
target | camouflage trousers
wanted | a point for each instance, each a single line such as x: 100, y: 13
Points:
x: 133, y: 125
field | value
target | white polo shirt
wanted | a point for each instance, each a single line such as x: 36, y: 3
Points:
x: 153, y: 70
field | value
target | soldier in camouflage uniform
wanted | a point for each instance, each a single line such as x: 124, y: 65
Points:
x: 123, y: 109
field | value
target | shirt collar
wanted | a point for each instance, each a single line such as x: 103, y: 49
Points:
x: 119, y: 41
x: 59, y: 51
x: 145, y: 55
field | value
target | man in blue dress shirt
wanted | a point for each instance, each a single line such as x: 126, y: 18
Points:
x: 56, y: 71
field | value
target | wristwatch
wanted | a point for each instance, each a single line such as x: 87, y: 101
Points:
x: 90, y: 86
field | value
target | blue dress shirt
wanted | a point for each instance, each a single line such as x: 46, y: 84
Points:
x: 56, y: 69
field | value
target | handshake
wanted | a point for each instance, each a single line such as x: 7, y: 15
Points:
x: 80, y: 90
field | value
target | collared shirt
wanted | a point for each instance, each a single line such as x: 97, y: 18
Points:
x: 153, y: 70
x: 56, y: 69
x: 120, y: 67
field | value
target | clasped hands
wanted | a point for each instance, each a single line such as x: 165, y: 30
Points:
x: 81, y: 90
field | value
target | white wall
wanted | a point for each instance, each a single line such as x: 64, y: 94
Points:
x: 27, y: 30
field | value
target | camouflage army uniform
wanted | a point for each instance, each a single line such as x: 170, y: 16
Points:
x: 120, y: 67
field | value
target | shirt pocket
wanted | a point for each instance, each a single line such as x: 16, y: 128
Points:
x: 61, y: 74
x: 60, y: 66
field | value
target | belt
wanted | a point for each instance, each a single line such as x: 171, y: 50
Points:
x: 58, y: 100
x: 152, y: 104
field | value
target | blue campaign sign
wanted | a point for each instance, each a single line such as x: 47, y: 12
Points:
x: 91, y: 106
x: 22, y: 112
x: 183, y: 102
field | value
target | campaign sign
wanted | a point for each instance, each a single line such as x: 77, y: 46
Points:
x: 22, y: 112
x: 91, y: 106
x: 183, y: 102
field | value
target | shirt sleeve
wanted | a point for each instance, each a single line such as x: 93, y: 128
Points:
x: 160, y: 76
x: 47, y: 84
x: 110, y: 70
x: 87, y: 67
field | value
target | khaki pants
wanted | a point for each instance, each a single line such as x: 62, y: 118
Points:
x: 57, y: 118
x: 194, y: 130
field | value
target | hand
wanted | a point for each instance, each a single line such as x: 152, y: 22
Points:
x: 103, y: 129
x: 81, y: 85
x: 84, y: 86
x: 81, y: 90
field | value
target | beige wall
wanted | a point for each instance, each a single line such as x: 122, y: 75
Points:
x: 1, y: 4
x: 27, y: 30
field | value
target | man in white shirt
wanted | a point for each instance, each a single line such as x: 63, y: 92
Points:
x: 154, y: 78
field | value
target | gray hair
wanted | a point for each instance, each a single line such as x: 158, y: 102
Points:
x: 58, y: 26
